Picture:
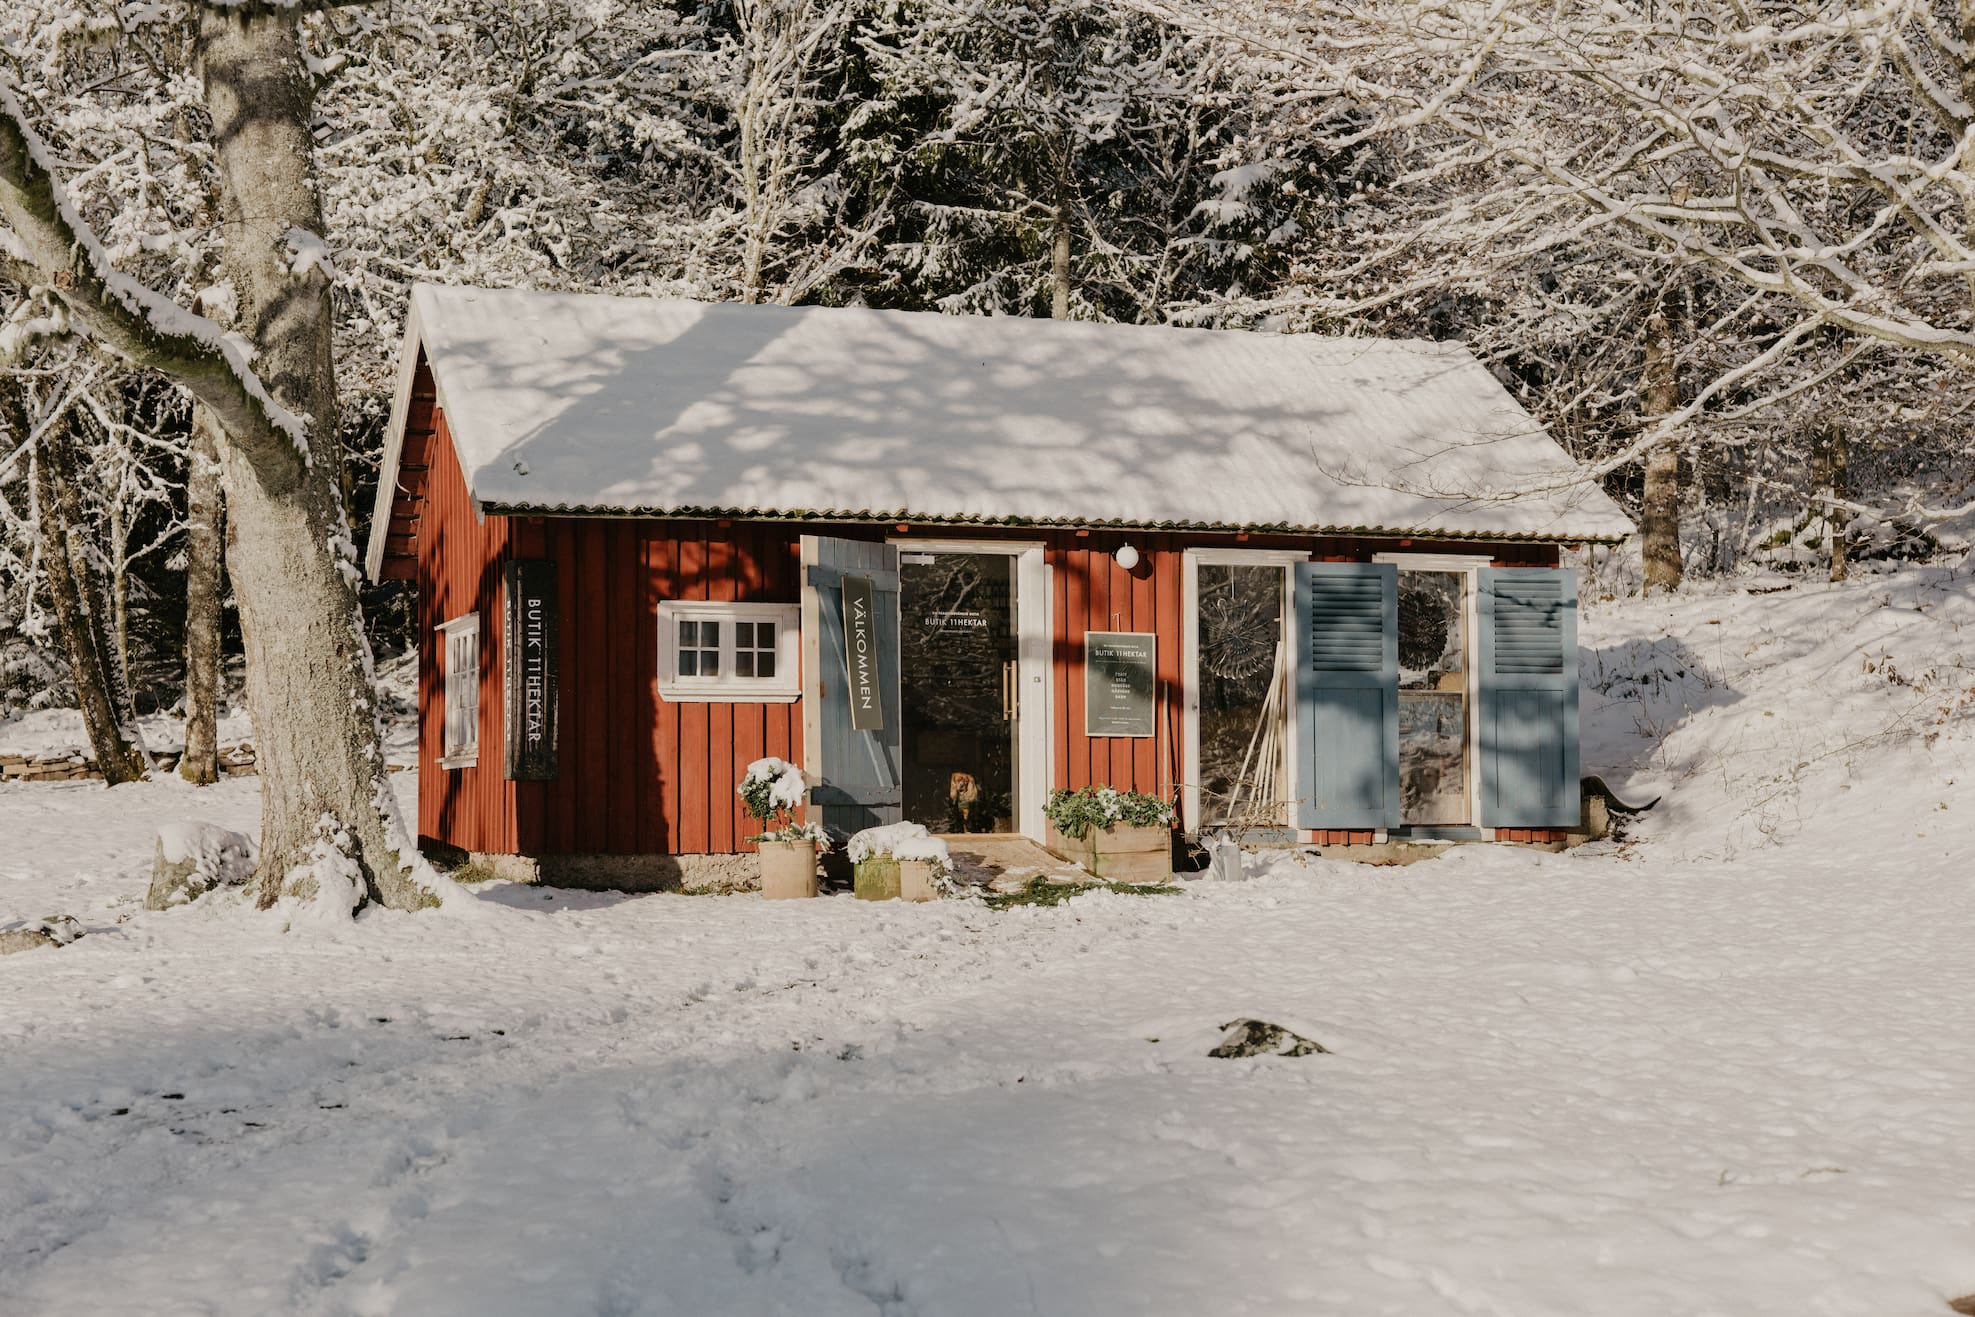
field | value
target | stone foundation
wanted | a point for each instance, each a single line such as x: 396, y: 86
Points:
x: 623, y: 873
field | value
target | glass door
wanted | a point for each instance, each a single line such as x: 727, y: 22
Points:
x: 1433, y: 698
x: 1243, y: 687
x: 957, y: 680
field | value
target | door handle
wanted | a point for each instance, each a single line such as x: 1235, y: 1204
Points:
x: 1008, y: 690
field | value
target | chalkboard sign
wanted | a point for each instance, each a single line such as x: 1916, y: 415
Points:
x: 529, y: 639
x: 1118, y: 682
x: 860, y: 635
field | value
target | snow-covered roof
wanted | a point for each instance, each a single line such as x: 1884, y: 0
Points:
x: 573, y: 403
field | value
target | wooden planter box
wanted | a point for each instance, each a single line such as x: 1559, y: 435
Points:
x: 915, y: 880
x: 881, y: 878
x: 1121, y: 854
x: 877, y: 879
x: 788, y: 869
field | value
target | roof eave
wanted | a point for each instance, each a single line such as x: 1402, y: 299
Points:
x: 409, y: 351
x: 869, y: 518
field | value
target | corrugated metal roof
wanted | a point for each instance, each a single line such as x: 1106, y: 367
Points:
x: 575, y: 403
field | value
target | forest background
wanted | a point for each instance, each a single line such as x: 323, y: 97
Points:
x: 1725, y: 251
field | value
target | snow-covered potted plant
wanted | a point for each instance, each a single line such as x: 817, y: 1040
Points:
x: 898, y: 861
x: 1124, y: 836
x: 770, y: 791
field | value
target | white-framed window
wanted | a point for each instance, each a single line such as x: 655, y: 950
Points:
x: 460, y: 655
x: 739, y: 653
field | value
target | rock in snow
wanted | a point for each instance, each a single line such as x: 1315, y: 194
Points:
x: 54, y: 931
x: 23, y: 939
x: 1260, y: 1038
x: 194, y: 858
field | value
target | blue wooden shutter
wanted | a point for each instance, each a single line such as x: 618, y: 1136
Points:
x: 1527, y: 691
x: 1347, y: 694
x: 854, y: 775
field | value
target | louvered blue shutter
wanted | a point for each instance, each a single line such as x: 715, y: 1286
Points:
x: 1527, y: 691
x: 1347, y: 694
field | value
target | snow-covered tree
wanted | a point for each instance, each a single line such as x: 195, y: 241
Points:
x: 1069, y: 158
x: 270, y: 387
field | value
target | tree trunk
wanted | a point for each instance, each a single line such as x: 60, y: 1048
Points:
x: 1659, y: 512
x: 1059, y: 265
x: 327, y: 814
x: 83, y: 640
x: 120, y: 600
x: 205, y: 532
x: 1832, y: 457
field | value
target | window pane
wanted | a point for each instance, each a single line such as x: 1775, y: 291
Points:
x: 1432, y: 634
x: 688, y: 634
x: 709, y: 635
x: 1244, y: 683
x: 764, y: 663
x: 689, y: 663
x: 709, y: 661
x: 744, y: 662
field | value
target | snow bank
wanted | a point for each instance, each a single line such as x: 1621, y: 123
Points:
x: 194, y: 858
x: 53, y: 731
x: 1767, y: 709
x: 1712, y: 1068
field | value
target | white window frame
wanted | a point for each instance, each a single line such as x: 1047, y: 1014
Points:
x: 458, y: 754
x: 1468, y: 565
x: 785, y: 687
x: 1190, y: 563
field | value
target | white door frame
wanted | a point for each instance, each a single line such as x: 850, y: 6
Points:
x: 1034, y: 717
x: 1190, y: 562
x: 1469, y: 565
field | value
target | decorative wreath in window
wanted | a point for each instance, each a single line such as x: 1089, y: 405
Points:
x: 1239, y: 629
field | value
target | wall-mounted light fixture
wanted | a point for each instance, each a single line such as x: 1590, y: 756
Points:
x: 1127, y: 557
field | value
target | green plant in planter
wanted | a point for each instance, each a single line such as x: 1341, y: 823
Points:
x: 770, y: 791
x: 1077, y: 814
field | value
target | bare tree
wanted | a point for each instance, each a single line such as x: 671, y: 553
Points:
x: 205, y: 538
x: 73, y: 589
x: 1659, y: 502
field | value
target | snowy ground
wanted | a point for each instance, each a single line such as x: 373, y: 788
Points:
x: 48, y: 731
x: 1724, y: 1068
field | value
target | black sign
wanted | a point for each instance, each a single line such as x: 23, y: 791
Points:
x: 530, y: 641
x: 1118, y: 682
x: 860, y: 635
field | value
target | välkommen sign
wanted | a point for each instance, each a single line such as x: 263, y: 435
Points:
x: 860, y: 634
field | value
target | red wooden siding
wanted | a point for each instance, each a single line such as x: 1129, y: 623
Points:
x: 459, y: 572
x: 640, y: 775
x: 636, y: 775
x: 1092, y: 593
x: 701, y: 749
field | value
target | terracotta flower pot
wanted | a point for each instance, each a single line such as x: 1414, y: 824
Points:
x: 915, y: 880
x: 788, y: 869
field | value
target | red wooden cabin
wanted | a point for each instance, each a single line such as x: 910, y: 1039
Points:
x: 1315, y: 583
